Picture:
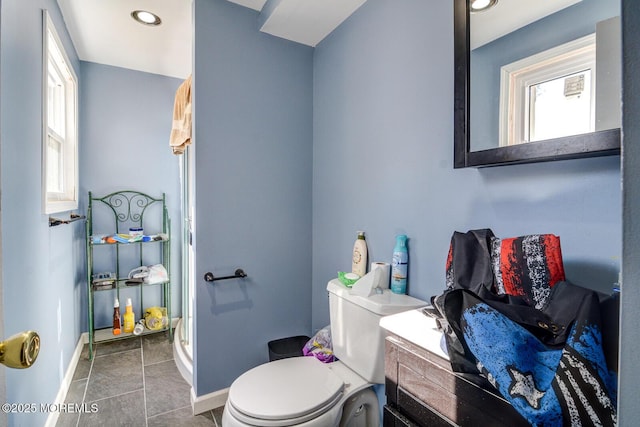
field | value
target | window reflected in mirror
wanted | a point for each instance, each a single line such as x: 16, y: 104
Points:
x: 550, y: 94
x: 560, y: 107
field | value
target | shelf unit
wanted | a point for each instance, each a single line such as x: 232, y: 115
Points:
x: 118, y: 212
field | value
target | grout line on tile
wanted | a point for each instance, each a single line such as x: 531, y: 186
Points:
x: 144, y: 386
x: 160, y: 361
x: 115, y: 395
x: 131, y: 350
x: 168, y: 412
x: 86, y: 386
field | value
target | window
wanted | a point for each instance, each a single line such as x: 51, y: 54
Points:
x: 550, y: 94
x: 60, y: 125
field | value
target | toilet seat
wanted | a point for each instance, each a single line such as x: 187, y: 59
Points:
x: 285, y: 392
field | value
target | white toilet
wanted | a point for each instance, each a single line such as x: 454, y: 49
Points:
x: 302, y: 391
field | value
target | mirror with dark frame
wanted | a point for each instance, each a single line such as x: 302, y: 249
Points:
x: 493, y: 126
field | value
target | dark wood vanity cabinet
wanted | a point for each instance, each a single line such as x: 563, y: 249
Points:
x: 422, y: 390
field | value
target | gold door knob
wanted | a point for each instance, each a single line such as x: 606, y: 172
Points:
x: 21, y: 350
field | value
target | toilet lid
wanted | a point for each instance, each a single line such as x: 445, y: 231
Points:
x: 285, y: 389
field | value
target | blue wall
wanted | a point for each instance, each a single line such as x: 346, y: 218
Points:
x: 41, y: 277
x: 253, y: 145
x: 562, y: 27
x: 125, y: 121
x: 383, y: 156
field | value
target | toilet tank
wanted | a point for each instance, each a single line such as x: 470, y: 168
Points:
x: 358, y: 340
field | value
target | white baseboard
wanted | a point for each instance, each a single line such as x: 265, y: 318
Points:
x: 52, y: 419
x: 210, y: 401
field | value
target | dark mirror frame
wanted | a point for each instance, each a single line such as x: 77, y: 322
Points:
x: 601, y: 143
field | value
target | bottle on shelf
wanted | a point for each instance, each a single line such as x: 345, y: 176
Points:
x: 399, y: 266
x: 139, y: 328
x: 116, y: 318
x: 359, y: 262
x: 129, y: 318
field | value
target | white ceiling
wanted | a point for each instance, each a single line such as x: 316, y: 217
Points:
x: 509, y: 15
x: 104, y: 32
x: 306, y: 21
x: 253, y: 4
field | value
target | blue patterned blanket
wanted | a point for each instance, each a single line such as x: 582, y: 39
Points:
x: 547, y: 360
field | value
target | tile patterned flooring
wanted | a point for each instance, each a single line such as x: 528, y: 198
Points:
x: 134, y: 383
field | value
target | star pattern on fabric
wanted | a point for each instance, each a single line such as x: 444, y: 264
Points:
x: 524, y: 385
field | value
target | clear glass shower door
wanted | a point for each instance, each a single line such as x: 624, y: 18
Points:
x: 188, y: 210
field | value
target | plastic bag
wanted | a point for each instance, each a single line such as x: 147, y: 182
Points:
x: 320, y: 346
x: 150, y: 274
x: 155, y: 318
x: 157, y: 274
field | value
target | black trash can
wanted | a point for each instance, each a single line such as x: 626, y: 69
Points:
x: 287, y: 347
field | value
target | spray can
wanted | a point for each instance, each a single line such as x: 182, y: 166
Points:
x: 399, y: 266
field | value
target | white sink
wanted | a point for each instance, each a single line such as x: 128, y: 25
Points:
x: 417, y: 328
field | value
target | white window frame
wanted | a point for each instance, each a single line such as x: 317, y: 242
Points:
x: 66, y: 198
x: 516, y: 78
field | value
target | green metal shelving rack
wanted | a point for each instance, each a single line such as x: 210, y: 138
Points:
x: 128, y: 209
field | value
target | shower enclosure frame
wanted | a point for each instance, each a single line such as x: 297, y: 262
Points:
x: 183, y: 344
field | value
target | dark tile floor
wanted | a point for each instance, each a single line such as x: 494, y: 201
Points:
x: 134, y: 383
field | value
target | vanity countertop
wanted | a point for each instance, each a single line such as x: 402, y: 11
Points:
x: 417, y: 328
x: 422, y: 390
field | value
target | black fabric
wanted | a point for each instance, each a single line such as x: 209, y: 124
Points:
x: 469, y: 260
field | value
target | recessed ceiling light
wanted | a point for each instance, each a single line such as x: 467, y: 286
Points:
x: 146, y: 18
x: 481, y: 5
